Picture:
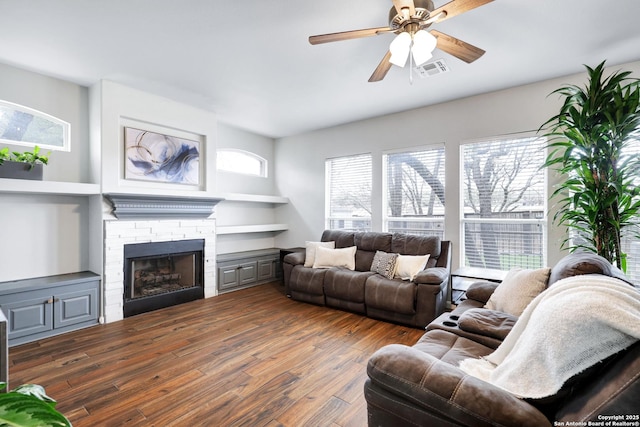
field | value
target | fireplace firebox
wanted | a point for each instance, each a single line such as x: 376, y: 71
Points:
x: 162, y: 274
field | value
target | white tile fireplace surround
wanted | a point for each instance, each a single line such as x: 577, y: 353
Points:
x: 140, y: 219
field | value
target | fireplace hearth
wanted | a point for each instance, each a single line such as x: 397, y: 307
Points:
x: 162, y: 274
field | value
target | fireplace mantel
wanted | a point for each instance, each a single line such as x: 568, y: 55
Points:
x: 137, y: 206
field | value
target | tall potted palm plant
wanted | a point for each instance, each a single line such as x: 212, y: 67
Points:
x: 590, y: 142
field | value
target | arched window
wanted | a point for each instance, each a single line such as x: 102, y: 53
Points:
x: 240, y: 161
x: 25, y: 126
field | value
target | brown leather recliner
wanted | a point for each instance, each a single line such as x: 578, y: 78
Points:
x: 414, y: 303
x: 423, y: 386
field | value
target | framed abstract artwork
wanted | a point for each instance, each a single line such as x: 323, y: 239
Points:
x: 151, y: 156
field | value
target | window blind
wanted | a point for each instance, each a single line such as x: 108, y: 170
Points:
x: 414, y: 189
x: 349, y: 192
x: 504, y: 210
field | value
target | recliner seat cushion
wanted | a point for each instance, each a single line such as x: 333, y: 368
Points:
x: 307, y: 280
x: 390, y: 294
x: 345, y: 284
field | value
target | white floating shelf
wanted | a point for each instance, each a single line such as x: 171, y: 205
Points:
x: 240, y: 229
x: 255, y: 198
x: 25, y: 186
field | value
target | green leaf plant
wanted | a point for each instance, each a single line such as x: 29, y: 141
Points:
x: 29, y: 406
x: 588, y: 141
x: 31, y: 157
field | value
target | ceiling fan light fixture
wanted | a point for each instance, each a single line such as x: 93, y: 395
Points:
x: 423, y: 45
x: 400, y: 48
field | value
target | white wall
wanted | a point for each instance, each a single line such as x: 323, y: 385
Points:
x: 230, y: 137
x: 232, y: 213
x: 43, y: 235
x: 301, y: 158
x: 61, y: 99
x: 120, y: 107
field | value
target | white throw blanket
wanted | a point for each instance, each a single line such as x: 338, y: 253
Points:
x: 571, y: 326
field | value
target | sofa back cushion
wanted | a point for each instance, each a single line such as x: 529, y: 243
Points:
x: 407, y: 244
x: 579, y: 263
x: 368, y: 244
x: 343, y: 239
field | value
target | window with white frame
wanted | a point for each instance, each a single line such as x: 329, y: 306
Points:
x: 413, y: 189
x: 348, y: 198
x: 241, y: 161
x: 25, y: 126
x: 504, y: 209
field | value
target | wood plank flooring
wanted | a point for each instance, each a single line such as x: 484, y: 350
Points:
x: 247, y: 358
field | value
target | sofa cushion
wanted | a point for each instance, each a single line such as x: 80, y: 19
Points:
x: 307, y: 280
x: 449, y: 347
x: 342, y: 257
x: 345, y: 284
x: 390, y: 294
x: 518, y: 288
x: 408, y: 244
x: 311, y: 249
x: 491, y: 323
x: 481, y: 291
x: 408, y: 266
x: 343, y: 239
x: 384, y: 264
x: 579, y: 263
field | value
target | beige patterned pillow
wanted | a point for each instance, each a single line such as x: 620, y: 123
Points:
x: 384, y: 264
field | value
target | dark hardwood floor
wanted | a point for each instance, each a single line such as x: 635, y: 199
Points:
x: 251, y: 357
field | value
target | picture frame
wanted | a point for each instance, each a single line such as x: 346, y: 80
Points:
x: 162, y: 158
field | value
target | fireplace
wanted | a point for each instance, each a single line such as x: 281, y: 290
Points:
x: 162, y: 274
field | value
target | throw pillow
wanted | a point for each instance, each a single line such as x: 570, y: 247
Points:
x: 407, y: 266
x: 384, y: 264
x: 343, y: 257
x: 310, y: 251
x: 518, y: 288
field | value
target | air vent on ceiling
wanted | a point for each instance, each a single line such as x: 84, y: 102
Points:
x: 433, y: 68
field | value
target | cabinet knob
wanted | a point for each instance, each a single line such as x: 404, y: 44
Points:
x: 49, y: 301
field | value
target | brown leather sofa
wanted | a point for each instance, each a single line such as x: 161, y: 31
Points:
x: 414, y: 303
x: 423, y: 386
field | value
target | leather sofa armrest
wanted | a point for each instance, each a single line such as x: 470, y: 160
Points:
x: 295, y: 258
x: 432, y: 276
x: 438, y: 387
x: 481, y: 291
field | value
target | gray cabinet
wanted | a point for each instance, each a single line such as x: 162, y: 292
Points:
x: 243, y: 269
x: 46, y: 306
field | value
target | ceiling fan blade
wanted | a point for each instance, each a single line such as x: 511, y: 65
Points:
x: 382, y: 69
x: 457, y: 7
x: 348, y: 35
x: 456, y: 47
x: 401, y: 4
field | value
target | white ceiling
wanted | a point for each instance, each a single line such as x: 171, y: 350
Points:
x: 251, y: 63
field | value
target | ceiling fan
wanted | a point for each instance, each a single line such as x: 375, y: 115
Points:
x: 409, y: 19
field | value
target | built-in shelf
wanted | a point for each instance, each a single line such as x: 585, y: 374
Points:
x: 254, y: 198
x: 24, y: 186
x: 261, y: 228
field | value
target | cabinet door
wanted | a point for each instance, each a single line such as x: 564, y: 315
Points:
x: 29, y: 317
x: 75, y: 307
x: 248, y: 273
x: 266, y: 269
x: 228, y: 276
